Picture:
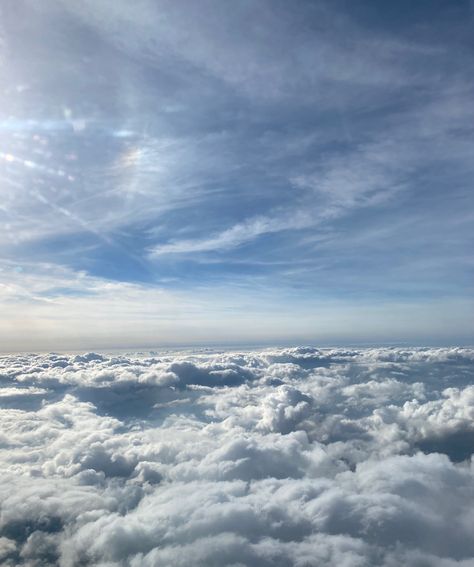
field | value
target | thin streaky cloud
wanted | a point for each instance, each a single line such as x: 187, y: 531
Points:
x: 319, y: 151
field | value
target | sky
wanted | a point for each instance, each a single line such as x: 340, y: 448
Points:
x: 235, y: 172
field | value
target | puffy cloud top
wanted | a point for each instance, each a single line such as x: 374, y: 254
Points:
x: 284, y: 457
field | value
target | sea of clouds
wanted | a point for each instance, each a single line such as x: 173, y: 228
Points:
x: 283, y: 457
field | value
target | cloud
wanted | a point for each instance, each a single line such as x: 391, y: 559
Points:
x: 210, y: 40
x: 45, y: 306
x: 272, y: 146
x: 235, y: 236
x: 279, y: 457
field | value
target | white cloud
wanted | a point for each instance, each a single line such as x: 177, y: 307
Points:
x: 236, y: 235
x: 280, y: 457
x: 47, y: 307
x: 256, y: 49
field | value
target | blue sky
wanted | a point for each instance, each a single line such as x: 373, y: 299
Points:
x: 250, y: 171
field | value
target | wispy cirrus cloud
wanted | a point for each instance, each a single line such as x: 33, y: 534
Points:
x: 44, y: 306
x: 237, y: 235
x: 169, y: 144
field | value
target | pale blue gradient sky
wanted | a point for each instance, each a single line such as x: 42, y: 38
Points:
x: 178, y: 172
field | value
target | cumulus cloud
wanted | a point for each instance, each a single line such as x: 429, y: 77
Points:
x: 282, y: 457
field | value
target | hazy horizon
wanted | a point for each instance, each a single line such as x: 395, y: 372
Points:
x: 216, y: 347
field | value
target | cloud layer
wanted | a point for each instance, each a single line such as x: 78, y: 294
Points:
x: 320, y: 151
x: 282, y: 457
